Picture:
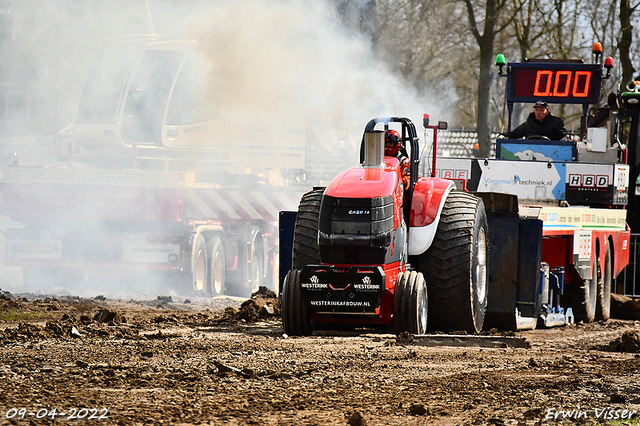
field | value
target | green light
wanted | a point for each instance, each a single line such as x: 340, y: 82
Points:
x: 500, y: 61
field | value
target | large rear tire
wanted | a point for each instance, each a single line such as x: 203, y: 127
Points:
x: 455, y: 266
x: 296, y: 320
x: 305, y: 232
x: 603, y: 305
x: 410, y: 303
x: 217, y: 268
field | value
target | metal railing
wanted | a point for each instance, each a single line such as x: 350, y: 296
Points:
x: 628, y: 282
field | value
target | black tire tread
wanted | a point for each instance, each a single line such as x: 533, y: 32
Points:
x: 295, y: 317
x: 305, y: 234
x: 446, y: 265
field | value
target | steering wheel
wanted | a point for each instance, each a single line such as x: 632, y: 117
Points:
x: 538, y: 137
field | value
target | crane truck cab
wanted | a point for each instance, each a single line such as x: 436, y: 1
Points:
x: 157, y: 181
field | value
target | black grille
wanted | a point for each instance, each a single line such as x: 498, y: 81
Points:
x: 355, y: 230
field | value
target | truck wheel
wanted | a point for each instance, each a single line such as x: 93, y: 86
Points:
x: 583, y: 297
x: 603, y: 306
x: 296, y: 320
x: 217, y: 268
x: 199, y: 272
x: 305, y: 232
x: 256, y: 273
x: 410, y: 303
x: 455, y: 266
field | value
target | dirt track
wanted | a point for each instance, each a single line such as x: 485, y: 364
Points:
x: 170, y: 362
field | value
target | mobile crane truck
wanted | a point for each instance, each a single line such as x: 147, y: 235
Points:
x: 532, y: 237
x: 152, y: 183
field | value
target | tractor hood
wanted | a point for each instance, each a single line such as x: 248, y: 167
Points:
x: 361, y: 182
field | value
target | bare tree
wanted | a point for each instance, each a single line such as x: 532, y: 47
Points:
x: 626, y: 35
x: 489, y: 17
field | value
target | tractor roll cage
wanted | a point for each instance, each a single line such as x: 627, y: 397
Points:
x: 408, y: 134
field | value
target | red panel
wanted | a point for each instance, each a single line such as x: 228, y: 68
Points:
x: 358, y: 183
x: 556, y: 251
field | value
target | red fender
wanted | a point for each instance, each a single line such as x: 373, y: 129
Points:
x: 429, y: 196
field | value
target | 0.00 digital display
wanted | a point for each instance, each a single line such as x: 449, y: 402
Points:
x: 545, y: 83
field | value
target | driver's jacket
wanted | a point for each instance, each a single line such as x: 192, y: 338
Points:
x: 551, y: 127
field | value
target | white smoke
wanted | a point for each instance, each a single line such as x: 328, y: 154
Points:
x: 294, y: 58
x: 285, y: 61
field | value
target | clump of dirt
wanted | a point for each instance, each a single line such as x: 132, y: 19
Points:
x: 33, y: 332
x: 109, y: 317
x: 629, y: 342
x: 262, y: 305
x: 623, y: 307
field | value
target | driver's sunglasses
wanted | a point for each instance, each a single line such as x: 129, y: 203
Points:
x: 393, y: 139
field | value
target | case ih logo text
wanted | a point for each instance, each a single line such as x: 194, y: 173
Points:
x: 358, y: 211
x: 589, y: 181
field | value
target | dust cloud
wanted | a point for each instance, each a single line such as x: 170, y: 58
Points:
x: 296, y: 59
x: 283, y: 61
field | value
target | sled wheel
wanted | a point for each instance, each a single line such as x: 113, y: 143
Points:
x: 603, y: 306
x: 582, y: 297
x: 217, y: 266
x: 455, y: 266
x: 410, y: 303
x: 296, y: 321
x: 199, y: 272
x: 305, y: 232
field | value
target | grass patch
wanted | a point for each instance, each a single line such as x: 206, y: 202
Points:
x: 635, y: 421
x: 17, y: 314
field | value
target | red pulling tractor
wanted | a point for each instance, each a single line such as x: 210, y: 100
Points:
x: 375, y: 249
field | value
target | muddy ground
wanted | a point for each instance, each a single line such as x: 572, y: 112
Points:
x: 199, y: 361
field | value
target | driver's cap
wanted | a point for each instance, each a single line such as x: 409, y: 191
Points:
x: 541, y: 104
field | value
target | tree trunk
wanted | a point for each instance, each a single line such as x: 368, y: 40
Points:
x: 484, y: 97
x: 624, y: 43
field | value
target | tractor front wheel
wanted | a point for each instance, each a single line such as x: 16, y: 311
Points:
x: 296, y: 320
x: 410, y: 303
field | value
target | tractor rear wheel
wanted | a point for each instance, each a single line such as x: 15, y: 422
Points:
x: 305, y: 232
x: 603, y: 306
x: 455, y: 266
x: 296, y: 320
x: 410, y: 303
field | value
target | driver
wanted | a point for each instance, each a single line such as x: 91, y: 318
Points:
x: 540, y: 123
x: 393, y: 148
